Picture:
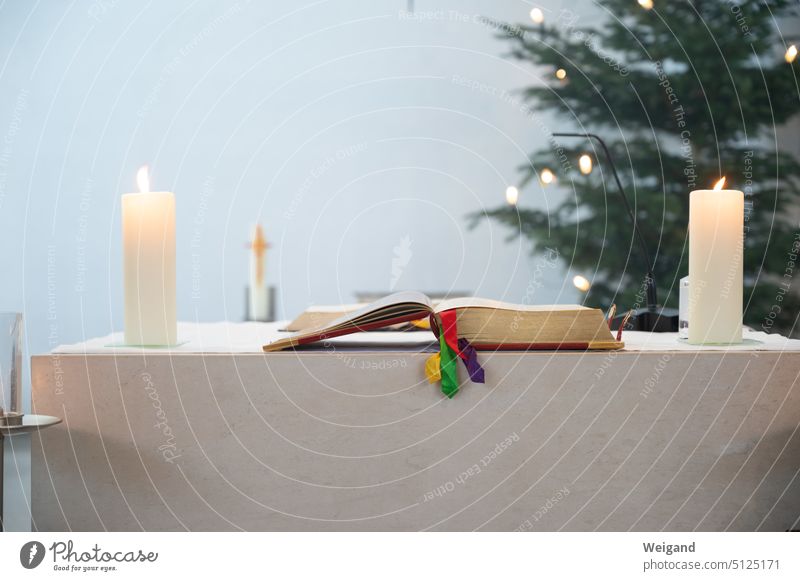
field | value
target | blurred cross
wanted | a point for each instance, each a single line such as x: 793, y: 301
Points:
x: 259, y: 246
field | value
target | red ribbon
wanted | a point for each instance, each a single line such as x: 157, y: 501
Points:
x: 465, y: 351
x: 450, y: 331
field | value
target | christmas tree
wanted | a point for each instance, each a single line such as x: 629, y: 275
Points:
x: 683, y: 92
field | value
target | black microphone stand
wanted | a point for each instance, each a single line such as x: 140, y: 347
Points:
x: 652, y: 317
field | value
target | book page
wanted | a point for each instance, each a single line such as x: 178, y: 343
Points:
x: 397, y: 307
x: 388, y: 303
x: 320, y: 316
x: 344, y: 308
x: 476, y: 302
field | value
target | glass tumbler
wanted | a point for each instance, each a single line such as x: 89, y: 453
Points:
x: 683, y: 310
x: 10, y: 369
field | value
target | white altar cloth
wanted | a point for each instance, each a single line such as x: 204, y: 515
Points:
x: 217, y: 435
x: 227, y: 337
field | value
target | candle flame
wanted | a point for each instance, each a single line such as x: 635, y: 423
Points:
x: 791, y: 54
x: 143, y: 179
x: 720, y: 184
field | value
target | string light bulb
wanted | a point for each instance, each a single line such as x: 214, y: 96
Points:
x: 581, y: 283
x: 585, y: 164
x: 561, y: 74
x: 646, y: 4
x: 537, y: 15
x: 512, y: 195
x: 791, y: 54
x: 546, y: 176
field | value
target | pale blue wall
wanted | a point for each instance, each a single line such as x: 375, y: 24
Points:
x: 336, y: 124
x: 237, y: 107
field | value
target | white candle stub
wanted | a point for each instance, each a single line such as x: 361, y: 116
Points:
x: 148, y: 240
x: 716, y: 256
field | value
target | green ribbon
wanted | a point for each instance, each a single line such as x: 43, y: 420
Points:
x: 448, y: 368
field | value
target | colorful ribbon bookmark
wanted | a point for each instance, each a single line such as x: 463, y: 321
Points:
x: 471, y: 361
x: 447, y: 368
x: 623, y: 324
x: 432, y: 368
x: 451, y: 346
x: 450, y: 331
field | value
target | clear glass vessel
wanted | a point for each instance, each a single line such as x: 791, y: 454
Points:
x: 10, y: 369
x: 683, y: 309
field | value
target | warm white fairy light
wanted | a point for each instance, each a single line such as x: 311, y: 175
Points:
x: 581, y: 283
x: 646, y: 4
x: 512, y: 195
x: 547, y: 176
x: 537, y: 15
x: 791, y: 54
x: 585, y: 164
x: 561, y: 74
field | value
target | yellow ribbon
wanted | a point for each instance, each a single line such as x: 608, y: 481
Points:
x: 432, y: 369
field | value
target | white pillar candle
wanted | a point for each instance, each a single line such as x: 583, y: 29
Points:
x: 148, y: 239
x: 259, y: 294
x: 716, y: 226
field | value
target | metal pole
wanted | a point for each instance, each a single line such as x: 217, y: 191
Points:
x: 652, y: 296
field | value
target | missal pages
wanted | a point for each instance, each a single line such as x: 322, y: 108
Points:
x: 485, y: 324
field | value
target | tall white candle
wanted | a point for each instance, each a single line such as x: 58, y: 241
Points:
x: 148, y: 239
x: 716, y: 226
x: 259, y: 294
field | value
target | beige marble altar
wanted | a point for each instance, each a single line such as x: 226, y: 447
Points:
x: 355, y: 439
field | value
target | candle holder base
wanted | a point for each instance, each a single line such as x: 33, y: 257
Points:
x: 11, y: 419
x: 652, y: 319
x: 30, y: 423
x: 27, y: 423
x: 751, y: 342
x: 269, y: 316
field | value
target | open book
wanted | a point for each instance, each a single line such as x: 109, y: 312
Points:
x: 484, y: 323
